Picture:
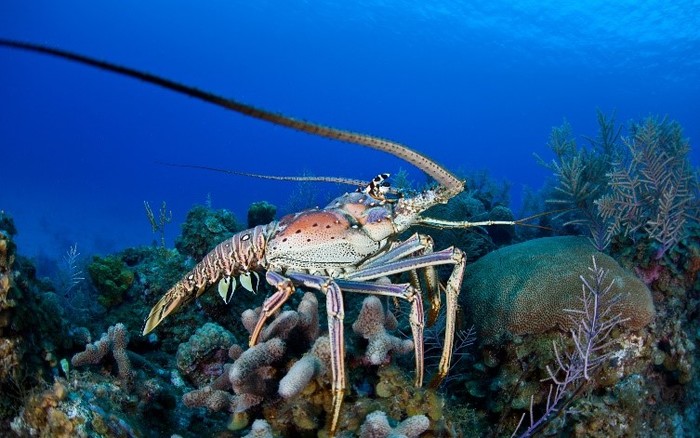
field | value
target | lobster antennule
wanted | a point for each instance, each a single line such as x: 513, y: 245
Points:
x: 361, y: 185
x: 324, y: 179
x: 451, y: 184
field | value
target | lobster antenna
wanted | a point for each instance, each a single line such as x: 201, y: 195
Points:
x: 362, y: 186
x: 451, y: 184
x: 328, y: 179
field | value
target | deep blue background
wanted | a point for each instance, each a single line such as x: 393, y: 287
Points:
x: 475, y: 85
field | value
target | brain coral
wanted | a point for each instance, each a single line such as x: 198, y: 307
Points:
x: 524, y: 288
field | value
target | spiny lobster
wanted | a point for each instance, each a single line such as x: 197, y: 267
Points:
x: 342, y: 247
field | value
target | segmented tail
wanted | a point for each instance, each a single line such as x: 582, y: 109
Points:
x: 242, y: 253
x: 177, y: 296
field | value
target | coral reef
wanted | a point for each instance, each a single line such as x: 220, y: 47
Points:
x: 9, y: 355
x: 112, y: 278
x: 78, y: 408
x: 32, y: 331
x: 204, y: 229
x: 286, y: 377
x: 42, y: 416
x: 261, y: 213
x: 636, y: 392
x: 115, y: 341
x: 377, y: 426
x: 637, y: 196
x: 524, y: 288
x: 202, y: 357
x: 196, y: 375
x: 371, y: 324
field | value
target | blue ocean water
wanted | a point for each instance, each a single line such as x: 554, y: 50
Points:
x: 475, y: 85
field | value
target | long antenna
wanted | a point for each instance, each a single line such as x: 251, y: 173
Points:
x: 451, y: 184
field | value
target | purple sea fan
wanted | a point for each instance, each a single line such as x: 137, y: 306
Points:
x: 591, y: 338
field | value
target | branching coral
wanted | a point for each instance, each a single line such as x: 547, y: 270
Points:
x: 641, y: 187
x: 581, y: 174
x: 210, y: 398
x: 591, y: 340
x: 164, y: 218
x: 294, y: 393
x: 371, y: 324
x: 376, y: 425
x: 652, y: 189
x: 252, y: 376
x: 114, y: 341
x: 313, y: 364
x: 250, y: 373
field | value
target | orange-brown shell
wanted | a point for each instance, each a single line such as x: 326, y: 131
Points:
x: 342, y: 235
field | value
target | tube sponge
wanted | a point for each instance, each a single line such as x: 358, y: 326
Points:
x: 371, y: 325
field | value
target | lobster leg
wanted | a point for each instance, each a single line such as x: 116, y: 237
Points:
x: 431, y: 283
x: 449, y: 256
x: 400, y: 250
x: 336, y: 314
x: 421, y: 244
x: 452, y: 289
x: 433, y: 286
x: 285, y: 289
x: 417, y: 318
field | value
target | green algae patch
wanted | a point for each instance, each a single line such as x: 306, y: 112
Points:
x: 112, y: 278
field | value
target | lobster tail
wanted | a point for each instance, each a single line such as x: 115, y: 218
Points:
x: 239, y: 255
x: 177, y: 296
x: 452, y: 185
